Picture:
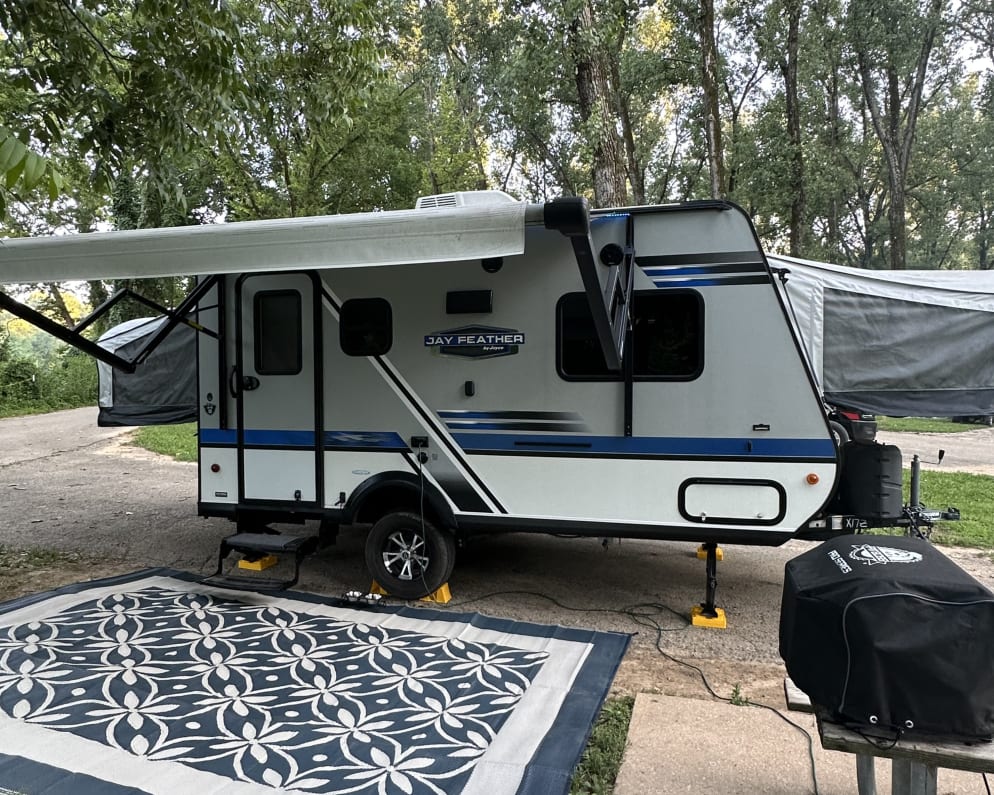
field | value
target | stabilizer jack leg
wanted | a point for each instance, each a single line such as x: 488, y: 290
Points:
x: 706, y: 614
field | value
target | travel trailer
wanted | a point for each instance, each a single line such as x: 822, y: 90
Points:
x: 482, y: 365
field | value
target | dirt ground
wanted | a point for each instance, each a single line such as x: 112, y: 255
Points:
x: 113, y: 508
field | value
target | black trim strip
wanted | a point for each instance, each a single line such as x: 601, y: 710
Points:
x: 676, y: 207
x: 558, y: 450
x: 592, y: 529
x: 426, y: 417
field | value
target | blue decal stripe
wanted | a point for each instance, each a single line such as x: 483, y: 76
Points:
x: 385, y: 440
x: 684, y: 447
x: 259, y: 438
x: 218, y: 436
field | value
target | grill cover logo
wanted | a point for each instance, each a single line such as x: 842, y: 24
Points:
x: 871, y: 555
x: 476, y: 342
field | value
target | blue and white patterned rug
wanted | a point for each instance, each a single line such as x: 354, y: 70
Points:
x: 153, y: 683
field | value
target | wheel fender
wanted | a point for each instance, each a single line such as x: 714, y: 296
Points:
x: 407, y: 482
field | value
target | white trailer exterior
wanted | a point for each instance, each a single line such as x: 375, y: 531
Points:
x: 488, y: 367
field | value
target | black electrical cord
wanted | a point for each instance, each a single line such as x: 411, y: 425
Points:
x: 987, y: 785
x: 637, y: 614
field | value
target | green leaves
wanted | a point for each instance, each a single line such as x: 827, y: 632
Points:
x: 22, y: 170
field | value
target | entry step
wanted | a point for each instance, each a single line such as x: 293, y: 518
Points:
x: 270, y: 542
x: 256, y: 547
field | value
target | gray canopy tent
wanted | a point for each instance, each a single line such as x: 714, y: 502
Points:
x: 911, y: 343
x: 160, y: 392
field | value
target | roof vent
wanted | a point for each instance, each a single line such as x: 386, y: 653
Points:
x: 464, y: 199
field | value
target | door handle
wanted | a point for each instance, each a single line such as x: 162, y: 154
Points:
x: 244, y: 384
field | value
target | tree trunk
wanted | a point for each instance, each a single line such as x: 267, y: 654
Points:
x: 798, y: 210
x: 595, y: 102
x: 712, y: 110
x: 58, y: 304
x: 835, y: 204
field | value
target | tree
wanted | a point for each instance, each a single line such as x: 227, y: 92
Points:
x: 147, y: 80
x: 894, y: 44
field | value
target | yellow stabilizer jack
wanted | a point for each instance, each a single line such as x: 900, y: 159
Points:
x: 698, y: 619
x: 440, y: 597
x: 258, y: 564
x: 702, y: 553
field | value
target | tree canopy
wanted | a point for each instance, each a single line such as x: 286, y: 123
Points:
x: 860, y: 133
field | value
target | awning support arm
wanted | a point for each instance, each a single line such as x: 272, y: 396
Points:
x: 67, y: 335
x: 73, y: 336
x: 571, y: 217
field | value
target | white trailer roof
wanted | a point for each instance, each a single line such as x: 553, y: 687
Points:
x: 335, y: 241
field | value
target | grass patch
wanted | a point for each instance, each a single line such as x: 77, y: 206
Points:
x: 12, y: 560
x: 972, y: 494
x: 923, y: 425
x: 178, y: 441
x: 601, y: 760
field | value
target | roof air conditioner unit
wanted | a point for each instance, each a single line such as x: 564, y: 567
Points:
x: 463, y: 199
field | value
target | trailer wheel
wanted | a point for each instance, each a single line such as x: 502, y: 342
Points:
x: 839, y: 434
x: 408, y: 556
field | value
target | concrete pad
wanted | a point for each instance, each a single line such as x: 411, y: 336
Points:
x: 688, y: 745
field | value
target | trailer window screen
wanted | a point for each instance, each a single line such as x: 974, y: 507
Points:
x: 667, y: 337
x: 278, y: 332
x: 365, y: 327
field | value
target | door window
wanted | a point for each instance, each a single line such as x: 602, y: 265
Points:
x: 278, y: 332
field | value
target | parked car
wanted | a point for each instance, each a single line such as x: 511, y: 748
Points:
x: 851, y: 425
x: 979, y: 419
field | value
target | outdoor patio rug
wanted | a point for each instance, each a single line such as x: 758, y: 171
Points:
x: 154, y: 683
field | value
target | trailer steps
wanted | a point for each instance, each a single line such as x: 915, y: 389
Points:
x: 255, y: 547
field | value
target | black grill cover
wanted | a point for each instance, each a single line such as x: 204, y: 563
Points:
x: 887, y: 633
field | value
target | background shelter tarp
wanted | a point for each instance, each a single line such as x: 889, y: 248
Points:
x: 911, y: 343
x: 163, y: 390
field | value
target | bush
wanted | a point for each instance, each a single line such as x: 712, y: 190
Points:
x: 19, y: 381
x: 65, y: 380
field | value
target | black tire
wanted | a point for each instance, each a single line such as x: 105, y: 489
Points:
x: 409, y: 557
x: 839, y: 433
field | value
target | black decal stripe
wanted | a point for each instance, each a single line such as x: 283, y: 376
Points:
x: 551, y: 427
x: 511, y: 415
x: 702, y: 258
x: 456, y: 488
x: 463, y: 495
x: 426, y: 417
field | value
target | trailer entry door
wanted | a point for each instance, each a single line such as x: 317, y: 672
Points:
x: 277, y: 386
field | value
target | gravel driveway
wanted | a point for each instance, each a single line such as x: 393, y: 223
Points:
x: 69, y: 486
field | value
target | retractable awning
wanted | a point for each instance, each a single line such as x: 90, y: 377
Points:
x: 338, y: 241
x: 473, y: 231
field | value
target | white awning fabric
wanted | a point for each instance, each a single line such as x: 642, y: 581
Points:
x: 337, y: 241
